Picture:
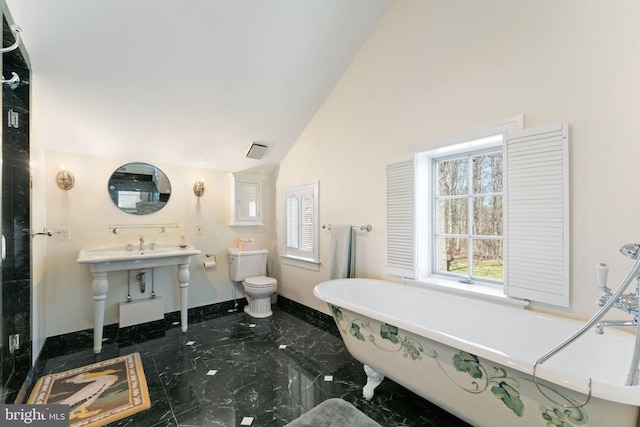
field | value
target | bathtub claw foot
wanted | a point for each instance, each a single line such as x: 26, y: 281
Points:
x: 374, y: 378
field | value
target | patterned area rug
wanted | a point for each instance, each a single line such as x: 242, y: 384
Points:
x: 333, y: 412
x: 97, y: 394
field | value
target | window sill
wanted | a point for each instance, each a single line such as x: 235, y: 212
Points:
x: 306, y: 264
x: 478, y: 292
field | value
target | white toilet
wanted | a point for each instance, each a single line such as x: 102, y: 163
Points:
x: 250, y: 267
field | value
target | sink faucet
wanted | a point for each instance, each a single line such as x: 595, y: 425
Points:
x: 141, y: 243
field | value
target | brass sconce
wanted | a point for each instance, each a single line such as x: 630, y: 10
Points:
x: 198, y: 188
x: 65, y: 179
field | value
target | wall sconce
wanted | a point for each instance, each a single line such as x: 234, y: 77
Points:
x: 65, y: 179
x: 198, y: 188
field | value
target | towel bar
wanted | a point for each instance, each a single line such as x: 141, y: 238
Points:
x: 367, y: 227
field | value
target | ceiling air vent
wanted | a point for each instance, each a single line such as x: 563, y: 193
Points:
x: 257, y: 151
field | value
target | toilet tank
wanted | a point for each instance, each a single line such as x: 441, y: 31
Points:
x: 243, y: 264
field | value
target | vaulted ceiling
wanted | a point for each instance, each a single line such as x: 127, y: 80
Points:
x: 190, y: 82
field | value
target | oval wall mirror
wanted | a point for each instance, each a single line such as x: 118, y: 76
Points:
x: 139, y: 188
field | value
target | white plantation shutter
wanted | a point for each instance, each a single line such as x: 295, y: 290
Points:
x: 293, y: 225
x: 307, y: 222
x: 301, y: 222
x: 537, y: 214
x: 401, y: 230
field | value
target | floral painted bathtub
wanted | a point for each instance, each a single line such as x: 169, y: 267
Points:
x: 475, y: 359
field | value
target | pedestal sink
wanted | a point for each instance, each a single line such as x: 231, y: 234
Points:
x: 102, y: 259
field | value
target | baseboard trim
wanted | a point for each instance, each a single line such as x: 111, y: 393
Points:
x: 308, y: 314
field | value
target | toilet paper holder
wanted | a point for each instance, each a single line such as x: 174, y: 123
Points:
x: 210, y: 261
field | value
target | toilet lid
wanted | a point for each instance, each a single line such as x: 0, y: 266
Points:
x: 260, y: 281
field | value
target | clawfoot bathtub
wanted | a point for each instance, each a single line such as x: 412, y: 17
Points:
x: 475, y: 359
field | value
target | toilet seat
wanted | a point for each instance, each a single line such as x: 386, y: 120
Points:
x: 260, y: 281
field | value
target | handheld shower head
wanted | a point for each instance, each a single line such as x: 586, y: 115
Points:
x: 630, y: 250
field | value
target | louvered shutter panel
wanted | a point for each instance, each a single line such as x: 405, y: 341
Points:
x: 300, y: 223
x: 292, y: 222
x: 306, y: 238
x: 401, y: 235
x: 537, y: 214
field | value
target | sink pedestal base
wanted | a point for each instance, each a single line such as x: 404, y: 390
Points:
x: 100, y: 287
x: 103, y: 259
x: 183, y: 284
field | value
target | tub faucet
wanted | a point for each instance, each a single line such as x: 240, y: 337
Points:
x: 616, y: 324
x: 626, y: 302
x: 141, y: 247
x: 629, y: 302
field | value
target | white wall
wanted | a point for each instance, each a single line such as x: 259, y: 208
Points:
x: 88, y: 211
x: 38, y: 253
x: 428, y: 69
x: 436, y: 67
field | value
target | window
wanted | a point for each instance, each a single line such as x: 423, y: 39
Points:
x: 301, y: 226
x: 468, y: 232
x: 489, y: 208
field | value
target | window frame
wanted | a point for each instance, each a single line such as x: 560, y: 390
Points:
x: 491, y: 145
x: 426, y: 210
x: 413, y: 267
x: 309, y: 260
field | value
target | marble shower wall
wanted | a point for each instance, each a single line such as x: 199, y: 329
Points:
x: 16, y: 269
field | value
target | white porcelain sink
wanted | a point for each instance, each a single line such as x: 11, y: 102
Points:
x: 116, y: 254
x: 102, y: 259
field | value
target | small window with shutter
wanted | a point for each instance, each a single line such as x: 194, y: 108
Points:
x: 489, y: 209
x: 301, y: 223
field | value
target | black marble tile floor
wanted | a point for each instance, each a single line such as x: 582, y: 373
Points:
x: 235, y: 370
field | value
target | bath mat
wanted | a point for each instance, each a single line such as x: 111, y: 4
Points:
x: 97, y: 394
x: 333, y: 413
